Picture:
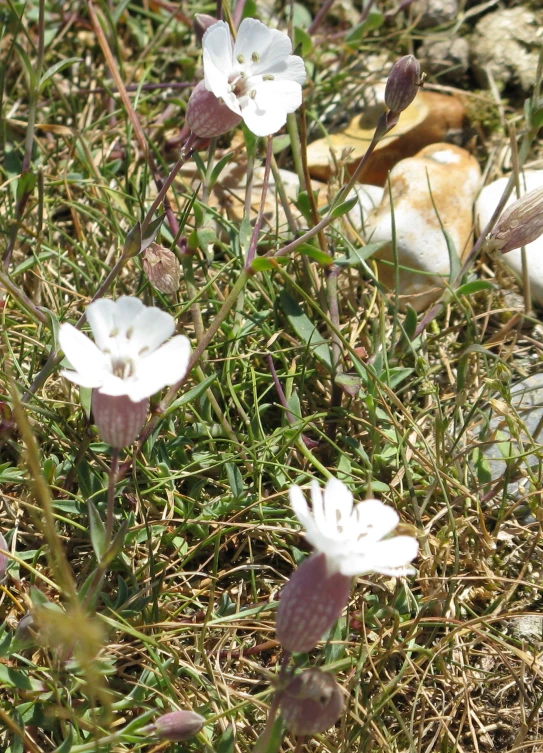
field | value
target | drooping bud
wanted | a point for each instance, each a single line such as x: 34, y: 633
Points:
x: 201, y: 23
x: 118, y: 419
x: 4, y: 559
x: 520, y: 224
x: 162, y: 268
x: 310, y: 604
x: 178, y: 725
x: 402, y: 84
x: 207, y: 116
x: 311, y: 703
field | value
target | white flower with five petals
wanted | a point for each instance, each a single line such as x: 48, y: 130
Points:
x: 256, y: 77
x: 128, y: 357
x: 353, y: 537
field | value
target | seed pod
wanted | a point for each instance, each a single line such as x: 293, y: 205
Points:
x: 207, y: 116
x: 162, y: 268
x: 310, y: 604
x: 178, y: 725
x: 311, y: 703
x: 520, y: 224
x: 402, y: 84
x: 118, y: 419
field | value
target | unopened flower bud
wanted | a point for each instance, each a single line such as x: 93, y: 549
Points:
x: 201, y: 23
x: 162, y: 268
x: 178, y: 725
x: 402, y: 84
x: 310, y: 604
x: 207, y: 116
x: 118, y: 419
x: 520, y: 224
x: 311, y: 703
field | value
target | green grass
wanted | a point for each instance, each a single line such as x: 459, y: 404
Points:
x: 185, y: 615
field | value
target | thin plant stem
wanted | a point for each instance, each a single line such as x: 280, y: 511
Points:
x: 112, y: 479
x: 251, y: 253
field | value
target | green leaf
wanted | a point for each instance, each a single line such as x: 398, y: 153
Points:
x: 302, y: 41
x: 192, y: 394
x: 235, y: 480
x: 117, y: 544
x: 97, y: 532
x: 261, y: 263
x: 335, y: 647
x: 15, y: 679
x: 217, y: 170
x: 343, y: 208
x: 56, y: 68
x: 315, y: 253
x: 373, y: 21
x: 474, y: 287
x: 359, y: 255
x: 305, y: 329
x: 25, y: 185
x: 454, y: 259
x: 349, y: 383
x: 395, y: 376
x: 225, y: 743
x: 151, y: 231
x: 27, y: 65
x: 85, y: 398
x: 66, y: 746
x: 304, y: 205
x: 410, y: 322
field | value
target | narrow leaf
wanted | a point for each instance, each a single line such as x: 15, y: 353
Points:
x: 97, y: 531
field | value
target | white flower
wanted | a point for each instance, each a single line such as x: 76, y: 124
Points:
x: 352, y: 538
x: 126, y: 359
x: 256, y: 77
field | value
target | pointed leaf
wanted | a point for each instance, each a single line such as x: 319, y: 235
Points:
x: 56, y: 68
x: 97, y: 532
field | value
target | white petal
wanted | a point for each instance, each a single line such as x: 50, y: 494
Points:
x: 254, y: 39
x: 114, y: 386
x: 266, y: 112
x: 127, y: 308
x: 83, y: 380
x: 388, y: 557
x: 373, y: 520
x: 317, y: 503
x: 291, y: 68
x: 163, y: 367
x: 85, y: 357
x: 217, y: 58
x: 338, y: 505
x: 150, y: 328
x: 101, y: 318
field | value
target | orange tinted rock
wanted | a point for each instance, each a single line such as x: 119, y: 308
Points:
x: 426, y: 121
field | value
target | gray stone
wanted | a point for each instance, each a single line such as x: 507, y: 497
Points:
x: 430, y: 13
x: 446, y: 58
x: 527, y: 627
x: 507, y: 43
x: 515, y: 428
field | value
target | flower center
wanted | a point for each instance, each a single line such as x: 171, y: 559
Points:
x: 122, y: 367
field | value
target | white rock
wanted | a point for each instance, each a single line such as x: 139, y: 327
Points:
x: 369, y: 198
x: 486, y: 204
x: 419, y: 213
